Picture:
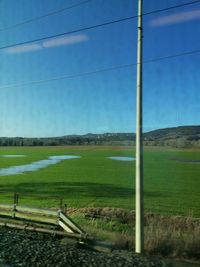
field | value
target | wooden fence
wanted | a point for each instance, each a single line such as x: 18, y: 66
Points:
x: 41, y: 220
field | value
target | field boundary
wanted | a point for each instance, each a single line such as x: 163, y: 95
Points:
x: 41, y: 220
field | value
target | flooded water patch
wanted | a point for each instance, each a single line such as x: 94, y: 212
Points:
x: 62, y: 157
x: 34, y: 166
x: 13, y: 156
x: 122, y: 158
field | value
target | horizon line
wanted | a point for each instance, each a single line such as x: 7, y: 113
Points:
x: 93, y: 133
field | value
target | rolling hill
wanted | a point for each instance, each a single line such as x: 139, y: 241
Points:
x: 182, y: 136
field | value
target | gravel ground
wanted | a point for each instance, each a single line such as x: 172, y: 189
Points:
x: 20, y: 248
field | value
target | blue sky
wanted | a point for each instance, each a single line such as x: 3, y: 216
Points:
x: 101, y: 102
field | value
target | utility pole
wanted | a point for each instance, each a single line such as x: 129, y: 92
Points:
x: 139, y: 209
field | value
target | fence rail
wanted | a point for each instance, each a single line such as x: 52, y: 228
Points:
x: 30, y: 215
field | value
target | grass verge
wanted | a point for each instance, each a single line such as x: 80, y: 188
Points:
x: 169, y: 236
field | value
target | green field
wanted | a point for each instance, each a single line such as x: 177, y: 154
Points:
x: 170, y: 186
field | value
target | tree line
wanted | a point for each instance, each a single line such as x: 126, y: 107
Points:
x: 90, y: 139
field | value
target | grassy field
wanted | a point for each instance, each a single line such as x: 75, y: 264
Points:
x: 171, y: 185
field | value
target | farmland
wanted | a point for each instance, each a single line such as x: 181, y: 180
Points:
x: 171, y: 178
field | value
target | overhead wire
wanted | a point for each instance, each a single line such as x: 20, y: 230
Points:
x: 45, y: 15
x: 67, y: 76
x: 99, y: 70
x: 66, y: 33
x: 85, y: 2
x: 96, y: 26
x: 173, y: 56
x: 170, y: 8
x: 105, y: 69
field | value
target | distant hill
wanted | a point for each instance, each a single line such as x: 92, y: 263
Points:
x: 182, y: 136
x: 179, y: 131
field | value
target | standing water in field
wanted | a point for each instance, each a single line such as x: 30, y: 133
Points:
x: 122, y: 158
x: 34, y: 166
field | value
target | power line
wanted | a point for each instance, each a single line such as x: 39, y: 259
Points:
x: 96, y: 26
x: 45, y: 16
x: 85, y: 2
x: 99, y: 70
x: 169, y: 8
x: 173, y: 56
x: 66, y: 33
x: 68, y: 76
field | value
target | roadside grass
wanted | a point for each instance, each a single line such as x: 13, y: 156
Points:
x: 165, y: 235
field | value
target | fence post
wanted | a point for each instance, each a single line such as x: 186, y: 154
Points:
x: 65, y: 209
x: 17, y: 198
x: 61, y: 204
x: 14, y: 204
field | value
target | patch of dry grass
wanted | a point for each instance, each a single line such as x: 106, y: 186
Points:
x: 172, y: 236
